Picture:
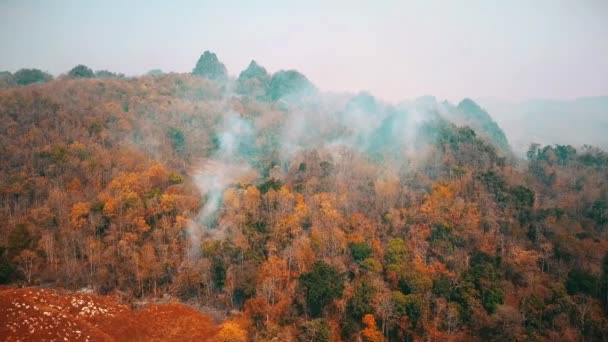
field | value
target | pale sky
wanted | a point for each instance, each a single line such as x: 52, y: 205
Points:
x: 515, y: 49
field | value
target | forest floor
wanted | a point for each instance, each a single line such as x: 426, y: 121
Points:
x: 36, y: 314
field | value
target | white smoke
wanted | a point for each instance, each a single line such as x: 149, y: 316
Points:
x: 226, y: 166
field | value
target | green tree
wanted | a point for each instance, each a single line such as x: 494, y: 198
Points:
x: 396, y: 252
x: 321, y: 285
x: 485, y: 273
x: 316, y: 330
x: 154, y: 72
x: 360, y: 251
x: 19, y: 239
x: 81, y: 71
x: 108, y: 74
x: 522, y: 197
x: 361, y: 302
x: 598, y: 212
x: 7, y: 79
x: 581, y: 281
x: 8, y: 270
x: 604, y: 282
x: 29, y: 76
x: 219, y: 273
x: 178, y: 140
x: 491, y: 298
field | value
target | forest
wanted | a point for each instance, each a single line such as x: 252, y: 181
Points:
x: 291, y: 214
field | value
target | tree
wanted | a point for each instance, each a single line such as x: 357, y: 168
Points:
x: 154, y: 72
x: 598, y: 212
x: 27, y: 260
x: 385, y: 309
x: 316, y: 330
x: 359, y: 251
x: 219, y: 273
x: 581, y: 281
x: 8, y: 270
x: 29, y: 76
x: 485, y: 273
x: 522, y: 197
x: 533, y: 152
x: 79, y: 214
x: 81, y: 71
x: 231, y: 332
x: 19, y: 239
x: 272, y: 278
x: 321, y: 285
x: 107, y: 74
x: 361, y: 301
x: 371, y: 333
x: 604, y: 282
x: 178, y: 140
x: 396, y: 252
x: 7, y: 79
x: 210, y: 67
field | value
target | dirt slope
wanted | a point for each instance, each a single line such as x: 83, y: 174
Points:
x: 33, y: 314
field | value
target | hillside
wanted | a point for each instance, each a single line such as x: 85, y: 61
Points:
x: 290, y: 213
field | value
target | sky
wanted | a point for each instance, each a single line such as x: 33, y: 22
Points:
x: 397, y: 50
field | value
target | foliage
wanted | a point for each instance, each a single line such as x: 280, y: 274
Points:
x: 321, y: 285
x: 481, y: 121
x: 316, y: 330
x: 581, y: 281
x: 108, y: 74
x: 361, y: 301
x: 273, y: 184
x: 177, y: 138
x: 8, y: 270
x: 253, y: 81
x: 29, y: 76
x: 371, y: 333
x: 290, y: 83
x: 231, y: 332
x: 81, y: 71
x: 209, y: 66
x: 396, y: 252
x: 360, y: 251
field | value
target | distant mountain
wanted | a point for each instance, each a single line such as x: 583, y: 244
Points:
x: 466, y: 113
x: 289, y: 83
x: 209, y: 66
x: 253, y: 81
x: 574, y: 122
x: 481, y: 121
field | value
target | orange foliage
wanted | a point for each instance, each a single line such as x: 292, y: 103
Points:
x: 370, y: 333
x: 231, y: 332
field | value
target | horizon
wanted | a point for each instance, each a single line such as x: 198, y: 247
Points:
x: 394, y: 51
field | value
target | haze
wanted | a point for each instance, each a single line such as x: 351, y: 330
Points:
x: 397, y: 50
